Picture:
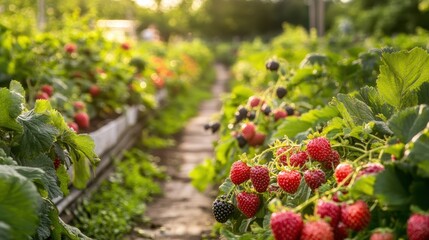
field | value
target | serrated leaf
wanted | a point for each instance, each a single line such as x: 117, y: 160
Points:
x: 38, y: 136
x: 391, y: 187
x: 423, y: 93
x: 19, y: 203
x: 363, y: 186
x: 292, y: 126
x: 359, y: 112
x: 419, y: 153
x: 16, y: 87
x: 371, y: 97
x: 226, y: 186
x: 44, y: 229
x: 64, y: 179
x: 408, y: 122
x: 10, y: 108
x: 202, y: 175
x: 400, y: 73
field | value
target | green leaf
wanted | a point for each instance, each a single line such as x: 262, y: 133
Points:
x: 64, y: 179
x: 38, y: 136
x: 5, y: 231
x: 10, y: 108
x: 419, y: 153
x: 391, y: 187
x: 226, y: 186
x: 408, y: 122
x: 423, y: 93
x: 202, y: 175
x: 292, y: 126
x: 359, y: 112
x: 363, y: 186
x: 16, y: 87
x: 371, y: 97
x: 400, y: 74
x: 19, y: 203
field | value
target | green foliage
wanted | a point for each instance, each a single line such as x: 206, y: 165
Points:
x: 110, y: 212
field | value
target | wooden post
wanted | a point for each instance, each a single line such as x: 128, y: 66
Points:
x: 321, y: 18
x: 312, y: 13
x: 41, y: 19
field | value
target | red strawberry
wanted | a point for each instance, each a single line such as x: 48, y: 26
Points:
x: 319, y: 149
x: 73, y: 126
x: 57, y: 163
x: 248, y: 203
x: 42, y: 95
x: 286, y: 225
x: 329, y: 209
x: 48, y: 89
x: 342, y: 171
x: 94, y: 90
x: 257, y: 140
x: 254, y: 101
x: 298, y: 159
x: 125, y: 46
x: 332, y: 161
x: 248, y: 130
x: 70, y: 48
x: 340, y: 232
x: 418, y: 227
x: 314, y: 178
x: 260, y: 177
x: 279, y: 114
x: 371, y: 168
x: 289, y: 180
x: 282, y: 154
x: 82, y: 119
x: 382, y: 235
x: 319, y: 229
x: 78, y: 105
x: 239, y: 173
x: 356, y: 216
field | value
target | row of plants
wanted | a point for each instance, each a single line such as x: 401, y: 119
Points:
x: 322, y: 146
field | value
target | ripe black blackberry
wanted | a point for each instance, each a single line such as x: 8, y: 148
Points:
x: 281, y: 92
x: 241, y: 141
x: 272, y: 65
x: 251, y: 116
x: 215, y: 126
x: 266, y: 110
x: 222, y: 209
x: 290, y: 111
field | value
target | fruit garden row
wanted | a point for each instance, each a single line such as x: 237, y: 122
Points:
x: 330, y: 140
x: 56, y: 88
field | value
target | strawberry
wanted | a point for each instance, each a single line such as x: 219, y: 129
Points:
x: 298, y: 159
x: 328, y: 209
x: 73, y: 126
x: 57, y: 163
x: 94, y: 90
x: 248, y: 203
x: 279, y: 114
x: 341, y: 231
x: 254, y: 101
x: 282, y: 154
x: 42, y: 95
x: 319, y: 229
x: 319, y: 149
x: 342, y: 171
x: 260, y: 177
x: 48, y: 89
x: 239, y: 173
x: 248, y: 130
x: 418, y: 227
x: 371, y: 168
x: 125, y: 46
x: 382, y: 235
x: 332, y: 161
x: 356, y: 216
x: 314, y: 178
x: 286, y: 225
x: 70, y: 48
x: 289, y: 180
x: 257, y: 140
x: 82, y: 119
x: 79, y: 105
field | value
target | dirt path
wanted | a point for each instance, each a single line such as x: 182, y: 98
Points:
x: 183, y: 212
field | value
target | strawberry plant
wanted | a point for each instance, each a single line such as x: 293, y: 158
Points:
x: 348, y: 169
x: 37, y: 152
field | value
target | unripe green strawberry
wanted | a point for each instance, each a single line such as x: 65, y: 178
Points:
x: 329, y: 209
x: 289, y: 180
x: 317, y: 230
x: 356, y: 216
x: 418, y: 227
x: 248, y: 203
x: 314, y: 178
x: 286, y: 225
x: 260, y: 177
x: 239, y: 173
x: 319, y: 149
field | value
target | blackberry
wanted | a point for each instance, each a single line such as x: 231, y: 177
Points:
x: 241, y: 141
x: 215, y: 126
x: 207, y: 126
x: 251, y: 116
x: 272, y: 65
x: 266, y: 110
x: 281, y: 92
x: 222, y: 209
x: 290, y: 111
x: 243, y: 112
